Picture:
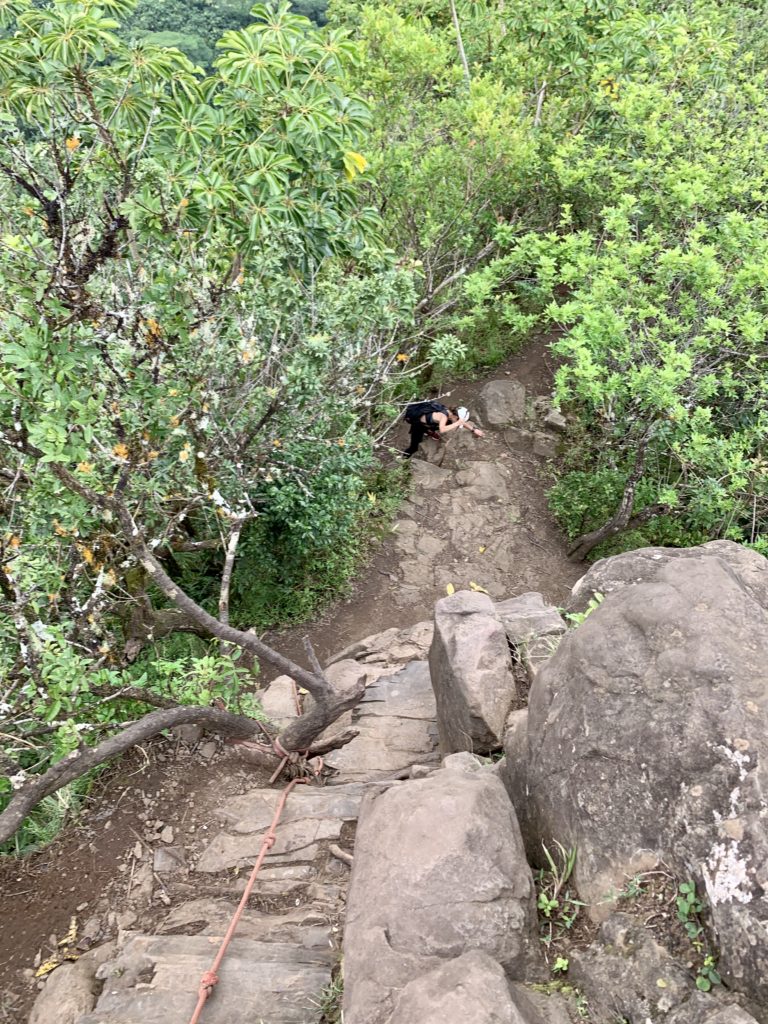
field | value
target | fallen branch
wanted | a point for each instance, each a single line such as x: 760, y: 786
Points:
x: 80, y: 761
x: 342, y: 855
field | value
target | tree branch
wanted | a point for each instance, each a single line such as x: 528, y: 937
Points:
x: 81, y: 761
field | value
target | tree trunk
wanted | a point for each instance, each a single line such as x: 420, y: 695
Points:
x: 460, y: 44
x: 622, y: 518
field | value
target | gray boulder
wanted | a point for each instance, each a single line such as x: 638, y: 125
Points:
x: 644, y: 564
x: 473, y: 987
x: 71, y: 990
x: 647, y: 741
x: 439, y: 870
x: 502, y: 403
x: 471, y: 669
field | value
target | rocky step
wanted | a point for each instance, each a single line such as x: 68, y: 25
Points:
x: 155, y: 980
x: 396, y: 720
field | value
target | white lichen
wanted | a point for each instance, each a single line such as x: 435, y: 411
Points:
x: 726, y: 875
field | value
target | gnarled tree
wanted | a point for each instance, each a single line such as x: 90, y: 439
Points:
x: 190, y: 344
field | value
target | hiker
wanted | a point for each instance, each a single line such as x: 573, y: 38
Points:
x: 435, y: 419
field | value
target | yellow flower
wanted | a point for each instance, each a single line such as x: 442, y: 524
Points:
x: 184, y: 203
x: 121, y: 450
x: 72, y: 143
x: 14, y: 541
x: 174, y: 421
x: 87, y: 555
x: 246, y: 356
x: 173, y: 392
x: 53, y: 597
x: 58, y: 529
x: 152, y: 454
x: 402, y: 357
x: 277, y: 442
x: 341, y: 442
x: 85, y: 467
x: 184, y: 454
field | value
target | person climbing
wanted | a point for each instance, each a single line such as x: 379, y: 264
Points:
x: 434, y: 419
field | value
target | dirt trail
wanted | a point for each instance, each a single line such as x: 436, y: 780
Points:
x: 480, y: 517
x: 524, y: 549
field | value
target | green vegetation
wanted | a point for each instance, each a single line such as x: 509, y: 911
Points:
x: 232, y: 242
x: 689, y: 910
x: 557, y: 904
x: 195, y: 26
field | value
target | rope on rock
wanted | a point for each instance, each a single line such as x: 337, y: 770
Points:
x: 210, y: 979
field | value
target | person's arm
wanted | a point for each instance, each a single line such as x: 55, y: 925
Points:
x: 443, y: 425
x: 468, y: 425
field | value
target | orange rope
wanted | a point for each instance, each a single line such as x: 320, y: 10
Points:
x: 210, y: 978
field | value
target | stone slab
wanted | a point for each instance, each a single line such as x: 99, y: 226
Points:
x: 155, y: 979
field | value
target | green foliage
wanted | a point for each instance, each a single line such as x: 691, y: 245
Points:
x: 689, y: 908
x: 200, y: 325
x: 576, y: 618
x: 557, y: 903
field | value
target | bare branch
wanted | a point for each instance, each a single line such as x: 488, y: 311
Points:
x: 81, y: 761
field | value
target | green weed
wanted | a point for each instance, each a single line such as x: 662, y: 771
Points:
x: 689, y: 908
x: 557, y: 904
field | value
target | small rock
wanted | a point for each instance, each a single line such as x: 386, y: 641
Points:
x: 126, y: 919
x: 166, y: 836
x: 189, y: 734
x: 138, y: 850
x: 81, y: 907
x: 208, y: 750
x: 518, y: 438
x: 545, y: 445
x: 169, y: 858
x: 556, y: 421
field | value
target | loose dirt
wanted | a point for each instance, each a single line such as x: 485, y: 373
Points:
x: 94, y: 871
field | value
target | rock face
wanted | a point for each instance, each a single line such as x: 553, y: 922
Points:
x: 439, y: 870
x: 471, y: 669
x: 527, y: 616
x: 472, y: 987
x: 502, y: 403
x: 644, y: 564
x: 647, y: 739
x: 626, y: 974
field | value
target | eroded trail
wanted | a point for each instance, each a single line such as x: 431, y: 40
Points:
x: 476, y: 517
x: 480, y: 516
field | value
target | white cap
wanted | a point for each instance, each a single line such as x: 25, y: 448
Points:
x: 463, y: 413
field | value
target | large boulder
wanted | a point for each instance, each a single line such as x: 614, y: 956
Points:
x: 471, y: 669
x: 439, y: 870
x: 643, y: 565
x: 647, y: 741
x: 501, y: 403
x: 473, y: 987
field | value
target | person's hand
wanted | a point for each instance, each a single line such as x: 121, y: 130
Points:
x: 477, y: 432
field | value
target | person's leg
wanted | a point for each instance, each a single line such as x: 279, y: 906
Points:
x: 418, y: 430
